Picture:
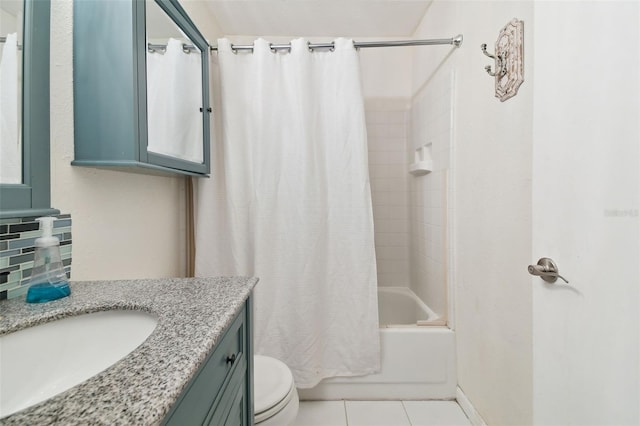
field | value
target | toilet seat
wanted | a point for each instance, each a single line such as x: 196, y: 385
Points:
x: 267, y: 414
x: 274, y: 389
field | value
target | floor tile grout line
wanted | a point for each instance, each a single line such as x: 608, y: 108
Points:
x: 408, y: 419
x: 406, y: 413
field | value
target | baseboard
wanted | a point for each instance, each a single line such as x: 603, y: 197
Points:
x: 469, y: 409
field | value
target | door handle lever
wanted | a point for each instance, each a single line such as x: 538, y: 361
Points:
x: 547, y: 270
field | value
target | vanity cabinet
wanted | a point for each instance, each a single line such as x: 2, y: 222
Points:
x: 220, y: 393
x: 129, y: 112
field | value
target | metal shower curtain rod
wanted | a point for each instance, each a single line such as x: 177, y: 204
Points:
x: 455, y: 41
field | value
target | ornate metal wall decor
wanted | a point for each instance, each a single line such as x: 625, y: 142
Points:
x: 509, y: 60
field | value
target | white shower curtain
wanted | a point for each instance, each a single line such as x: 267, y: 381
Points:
x: 289, y: 201
x: 174, y: 98
x: 10, y: 146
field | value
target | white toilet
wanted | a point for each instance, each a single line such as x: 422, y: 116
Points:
x: 275, y: 398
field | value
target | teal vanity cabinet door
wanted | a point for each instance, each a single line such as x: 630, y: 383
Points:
x: 111, y: 100
x: 237, y: 414
x: 221, y: 391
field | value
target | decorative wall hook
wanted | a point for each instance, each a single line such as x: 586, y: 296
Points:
x: 500, y: 64
x: 509, y: 60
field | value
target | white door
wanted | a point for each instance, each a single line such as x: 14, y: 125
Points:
x: 586, y: 163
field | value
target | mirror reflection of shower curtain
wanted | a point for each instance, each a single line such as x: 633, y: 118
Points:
x: 174, y: 98
x: 289, y: 201
x: 10, y: 146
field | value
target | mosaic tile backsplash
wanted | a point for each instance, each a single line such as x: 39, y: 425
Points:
x: 17, y: 239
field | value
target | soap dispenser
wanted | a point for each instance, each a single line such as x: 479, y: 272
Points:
x: 48, y: 279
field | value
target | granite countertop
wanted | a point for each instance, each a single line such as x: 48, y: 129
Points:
x: 140, y: 388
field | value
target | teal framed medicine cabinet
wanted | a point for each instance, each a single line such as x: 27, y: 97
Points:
x: 27, y: 193
x: 133, y: 110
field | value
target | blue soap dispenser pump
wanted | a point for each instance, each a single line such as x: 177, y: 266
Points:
x: 48, y: 279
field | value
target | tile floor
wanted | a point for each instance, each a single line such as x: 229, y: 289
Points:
x: 380, y: 413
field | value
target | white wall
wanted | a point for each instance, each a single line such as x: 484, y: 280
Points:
x: 490, y: 191
x: 125, y: 225
x: 493, y: 295
x: 10, y: 22
x: 386, y: 72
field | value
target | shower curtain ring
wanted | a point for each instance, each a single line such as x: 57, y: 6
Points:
x: 333, y: 46
x: 271, y: 48
x: 234, y: 51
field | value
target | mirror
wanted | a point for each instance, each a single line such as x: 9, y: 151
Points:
x: 11, y: 43
x: 141, y: 101
x: 174, y: 88
x: 30, y: 195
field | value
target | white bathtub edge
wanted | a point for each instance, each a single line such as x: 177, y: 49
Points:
x: 469, y: 410
x: 418, y: 363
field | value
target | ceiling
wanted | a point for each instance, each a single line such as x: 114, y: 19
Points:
x: 348, y: 18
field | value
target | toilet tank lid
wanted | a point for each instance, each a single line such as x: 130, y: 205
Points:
x: 271, y: 383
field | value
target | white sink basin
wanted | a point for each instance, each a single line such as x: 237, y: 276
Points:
x: 42, y: 361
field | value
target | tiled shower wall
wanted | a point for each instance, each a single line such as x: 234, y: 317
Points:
x: 413, y: 236
x: 387, y: 139
x: 430, y: 195
x: 17, y: 239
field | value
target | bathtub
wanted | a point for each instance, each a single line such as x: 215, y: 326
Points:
x: 418, y: 359
x: 400, y: 307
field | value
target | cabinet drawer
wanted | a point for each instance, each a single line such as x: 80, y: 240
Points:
x: 209, y: 384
